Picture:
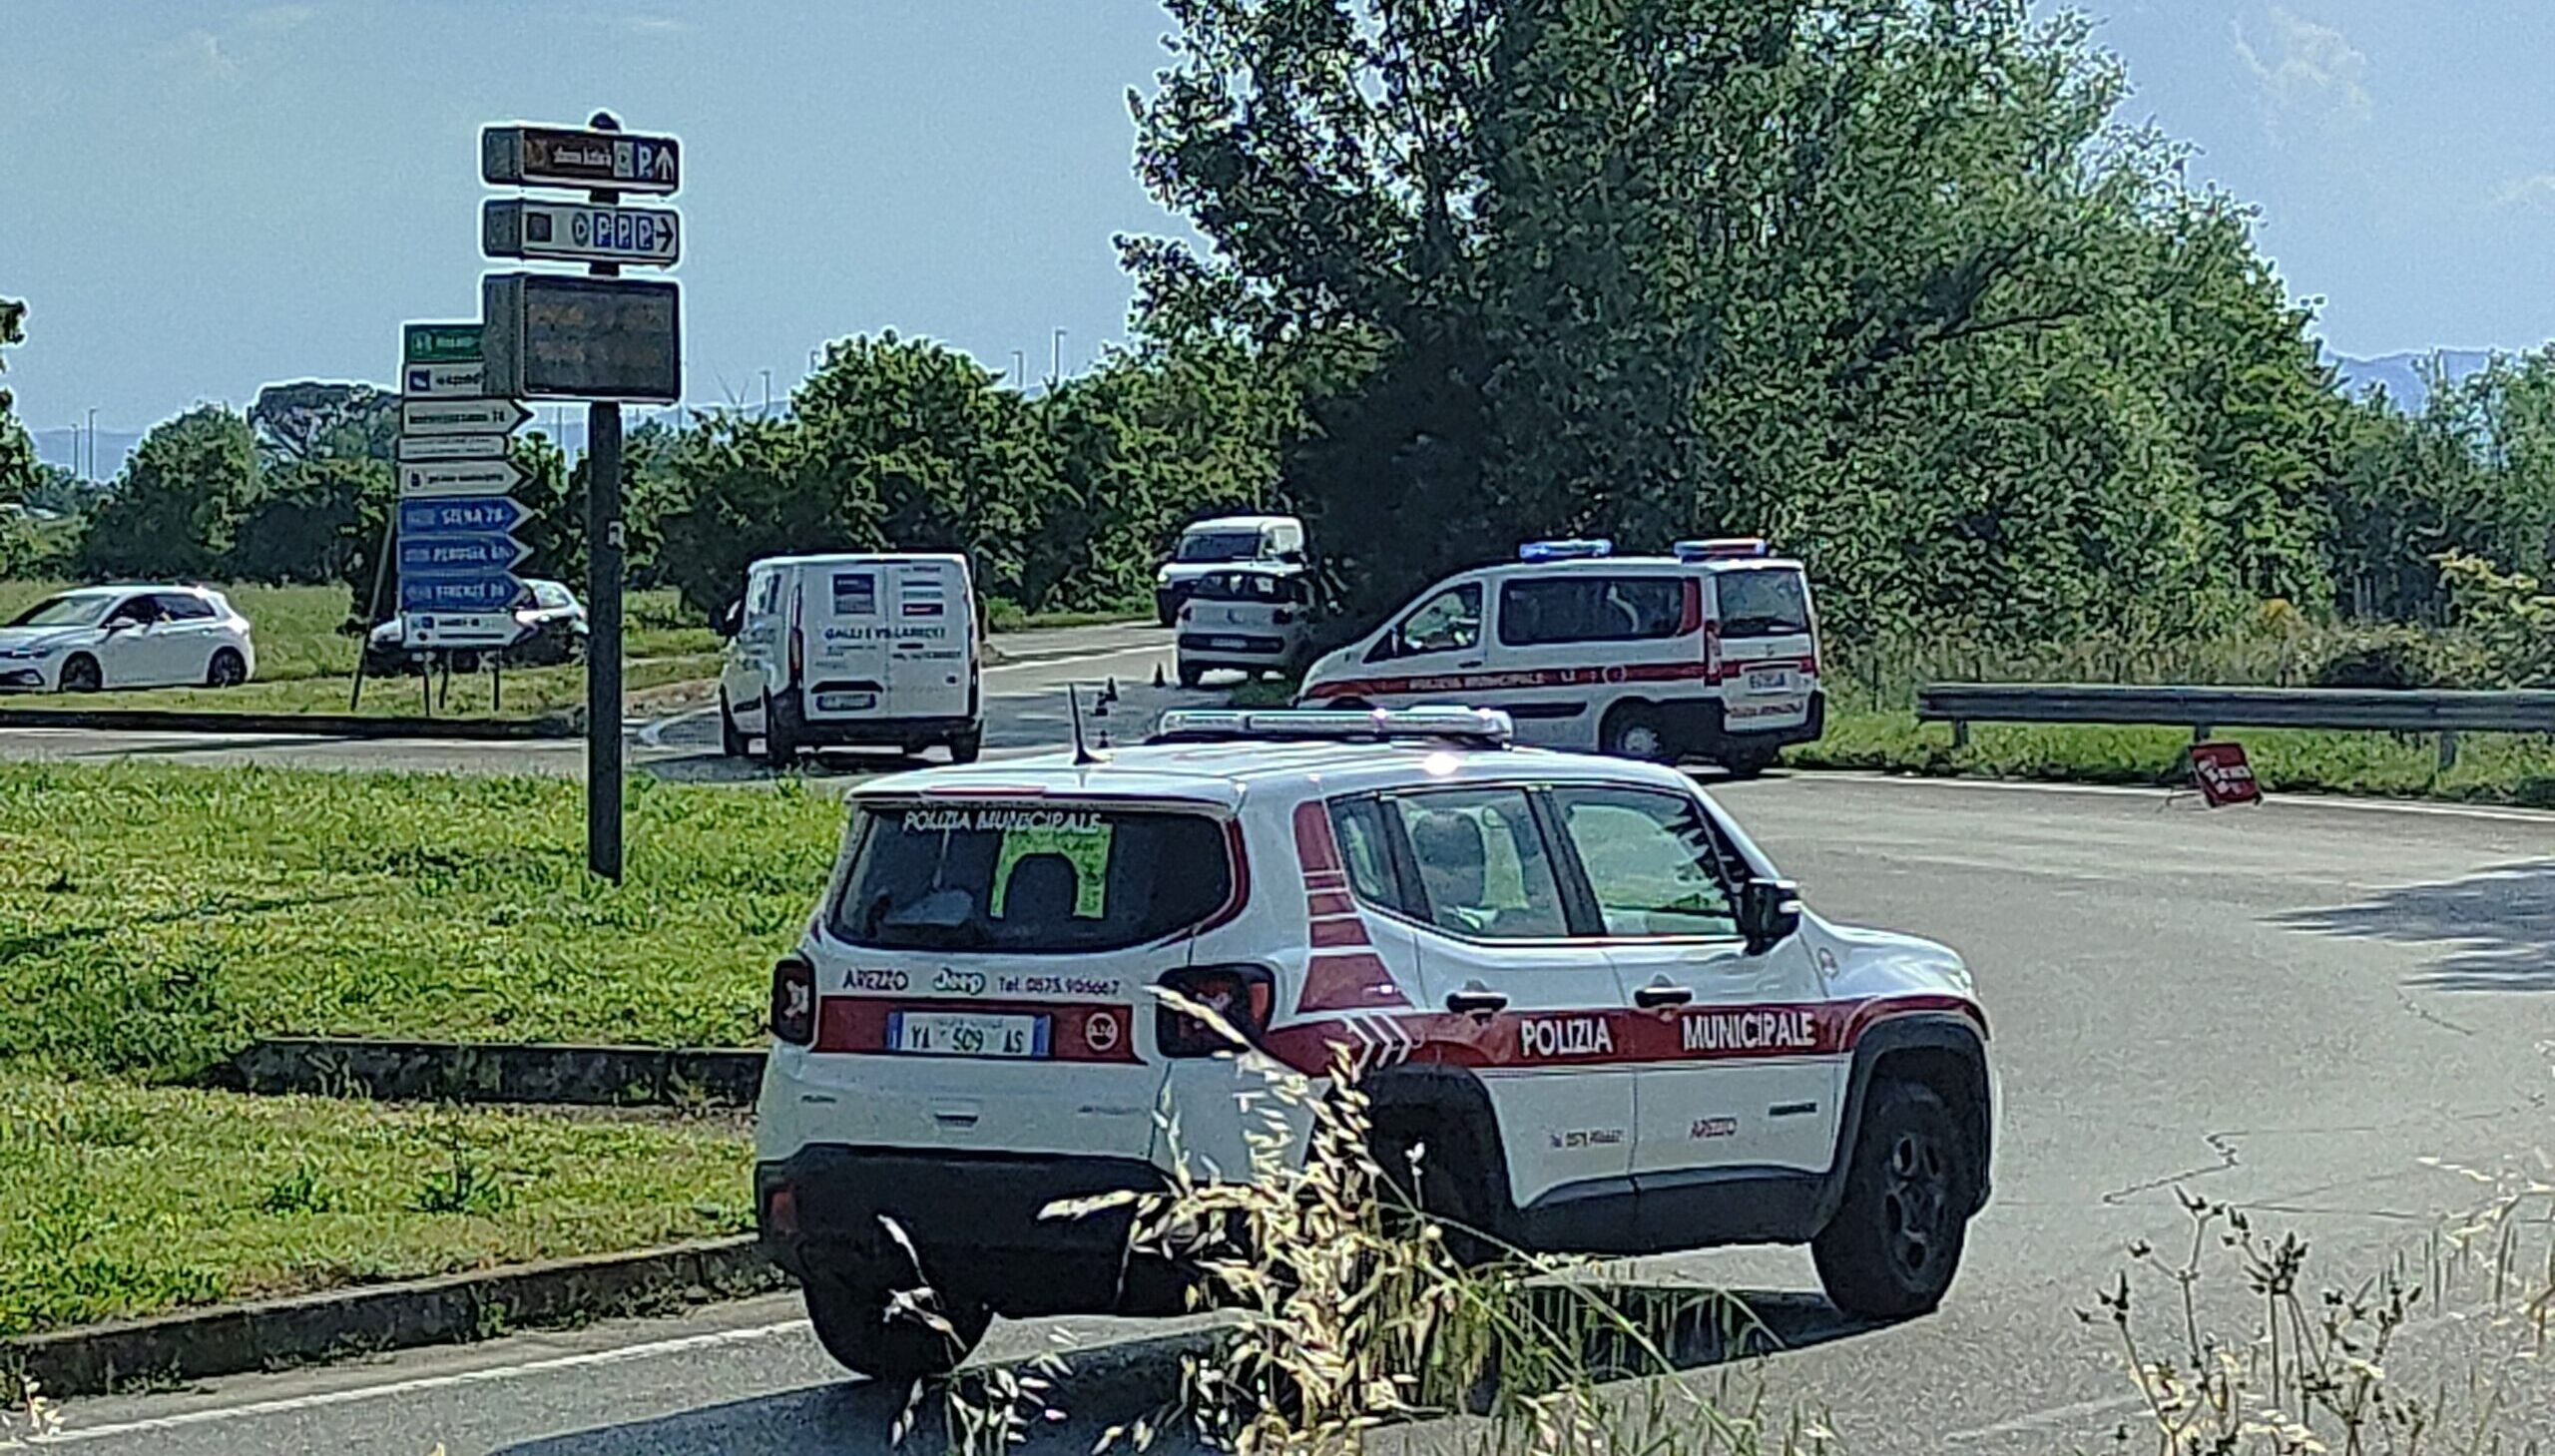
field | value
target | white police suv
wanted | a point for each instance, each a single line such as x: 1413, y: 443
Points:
x: 1571, y: 979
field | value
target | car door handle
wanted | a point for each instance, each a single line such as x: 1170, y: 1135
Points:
x: 1476, y: 1001
x: 1469, y: 663
x: 1662, y: 995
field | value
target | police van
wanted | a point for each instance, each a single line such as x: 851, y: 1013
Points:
x: 1711, y: 651
x: 854, y: 651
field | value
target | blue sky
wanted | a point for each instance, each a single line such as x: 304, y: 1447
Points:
x: 200, y: 196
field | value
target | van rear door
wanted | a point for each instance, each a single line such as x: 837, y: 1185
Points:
x: 1769, y: 648
x: 932, y: 618
x: 844, y: 615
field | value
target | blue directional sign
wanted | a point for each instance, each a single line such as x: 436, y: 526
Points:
x: 459, y: 556
x: 430, y: 515
x: 491, y: 593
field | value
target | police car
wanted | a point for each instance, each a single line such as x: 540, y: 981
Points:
x: 1572, y: 980
x: 1711, y: 651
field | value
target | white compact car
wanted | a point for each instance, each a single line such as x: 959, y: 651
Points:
x: 1572, y: 980
x: 1224, y: 541
x: 138, y: 636
x: 1711, y: 651
x: 877, y: 650
x: 1257, y: 619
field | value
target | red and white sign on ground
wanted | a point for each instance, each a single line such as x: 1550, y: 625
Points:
x: 2223, y: 775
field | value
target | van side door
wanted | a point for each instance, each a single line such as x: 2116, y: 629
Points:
x: 1568, y: 646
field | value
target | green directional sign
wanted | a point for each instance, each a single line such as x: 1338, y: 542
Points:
x: 440, y: 344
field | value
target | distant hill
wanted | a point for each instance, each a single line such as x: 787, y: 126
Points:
x: 2404, y: 377
x: 63, y: 447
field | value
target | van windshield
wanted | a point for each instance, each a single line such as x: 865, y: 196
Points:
x: 1768, y: 603
x: 1219, y: 546
x: 1027, y: 879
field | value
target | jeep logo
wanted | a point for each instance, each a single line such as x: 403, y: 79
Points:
x: 959, y: 983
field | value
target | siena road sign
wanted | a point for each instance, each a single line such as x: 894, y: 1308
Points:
x: 462, y: 416
x: 571, y: 156
x: 490, y: 515
x: 459, y: 477
x: 413, y: 448
x: 578, y: 231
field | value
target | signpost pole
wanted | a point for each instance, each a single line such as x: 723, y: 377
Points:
x: 602, y: 587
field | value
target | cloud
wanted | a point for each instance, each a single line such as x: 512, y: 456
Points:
x: 2311, y: 73
x: 201, y: 51
x: 2529, y: 194
x: 655, y: 24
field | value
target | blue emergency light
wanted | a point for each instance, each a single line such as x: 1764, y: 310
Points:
x: 1565, y: 550
x: 1723, y: 548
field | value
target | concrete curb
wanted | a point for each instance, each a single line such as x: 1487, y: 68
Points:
x: 400, y: 1071
x: 235, y: 1339
x: 293, y: 725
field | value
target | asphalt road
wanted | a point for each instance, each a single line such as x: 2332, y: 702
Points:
x: 2289, y: 1008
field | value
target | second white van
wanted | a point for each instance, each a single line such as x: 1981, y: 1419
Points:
x: 877, y: 651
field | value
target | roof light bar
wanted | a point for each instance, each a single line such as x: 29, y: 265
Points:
x: 1481, y: 727
x: 1723, y: 548
x: 1565, y: 550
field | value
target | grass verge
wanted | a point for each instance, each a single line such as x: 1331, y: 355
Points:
x: 123, y: 1200
x: 2491, y: 768
x: 155, y: 919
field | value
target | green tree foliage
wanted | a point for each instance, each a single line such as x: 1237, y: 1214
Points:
x: 20, y: 473
x: 174, y: 509
x: 1875, y: 277
x: 305, y: 522
x: 314, y: 419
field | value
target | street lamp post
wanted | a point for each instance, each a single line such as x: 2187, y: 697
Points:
x: 1056, y: 359
x: 93, y: 445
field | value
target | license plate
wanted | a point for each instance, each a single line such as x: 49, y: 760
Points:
x: 1228, y: 644
x: 966, y: 1034
x: 845, y: 701
x: 1772, y: 679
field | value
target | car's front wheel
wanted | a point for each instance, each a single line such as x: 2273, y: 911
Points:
x: 227, y: 669
x: 1191, y: 675
x: 862, y: 1325
x: 1910, y: 1187
x: 732, y: 738
x: 81, y: 675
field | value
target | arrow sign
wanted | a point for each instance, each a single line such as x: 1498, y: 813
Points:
x: 573, y: 157
x: 462, y: 416
x: 458, y: 593
x: 441, y: 381
x: 486, y: 515
x: 459, y: 556
x: 413, y: 448
x: 578, y: 231
x: 459, y: 477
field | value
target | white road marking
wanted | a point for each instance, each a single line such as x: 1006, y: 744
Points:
x: 1101, y: 656
x: 2056, y: 1416
x: 2122, y: 790
x: 289, y: 1404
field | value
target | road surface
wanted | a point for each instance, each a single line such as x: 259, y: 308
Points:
x: 2287, y: 1007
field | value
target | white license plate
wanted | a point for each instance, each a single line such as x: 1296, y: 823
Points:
x: 845, y: 701
x: 1228, y: 644
x: 966, y: 1034
x: 1772, y: 679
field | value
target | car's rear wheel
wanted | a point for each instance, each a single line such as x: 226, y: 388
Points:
x: 858, y: 1323
x: 779, y: 735
x: 464, y: 662
x: 965, y: 748
x: 732, y: 738
x: 1634, y: 732
x: 227, y: 669
x: 1746, y: 763
x: 81, y: 675
x: 1910, y: 1187
x: 1191, y: 675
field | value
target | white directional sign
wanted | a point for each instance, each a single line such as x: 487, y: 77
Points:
x: 442, y: 381
x: 462, y: 416
x: 459, y: 477
x: 451, y: 447
x: 578, y: 231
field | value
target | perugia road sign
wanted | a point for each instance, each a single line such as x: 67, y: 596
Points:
x: 487, y: 515
x: 415, y: 448
x: 439, y: 555
x: 439, y: 344
x: 578, y: 231
x: 461, y: 416
x: 442, y: 381
x: 459, y: 477
x: 521, y: 156
x: 491, y: 593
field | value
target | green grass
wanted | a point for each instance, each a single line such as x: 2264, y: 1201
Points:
x: 528, y: 692
x: 2491, y: 768
x: 155, y: 919
x: 119, y: 1201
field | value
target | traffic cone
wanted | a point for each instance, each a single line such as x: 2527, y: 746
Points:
x: 1158, y: 675
x: 1113, y: 690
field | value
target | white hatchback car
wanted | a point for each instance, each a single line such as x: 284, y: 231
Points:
x: 1257, y: 620
x: 1571, y: 979
x: 143, y: 636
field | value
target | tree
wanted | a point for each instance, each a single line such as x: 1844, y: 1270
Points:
x: 302, y: 524
x: 19, y: 470
x: 315, y: 419
x: 174, y: 509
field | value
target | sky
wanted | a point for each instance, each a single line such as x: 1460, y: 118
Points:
x: 197, y: 196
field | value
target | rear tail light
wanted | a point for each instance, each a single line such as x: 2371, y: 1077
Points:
x: 1240, y: 995
x: 1711, y: 652
x: 1185, y: 612
x: 798, y: 652
x: 794, y: 1001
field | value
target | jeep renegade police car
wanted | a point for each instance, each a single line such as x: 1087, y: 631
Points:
x: 1572, y: 980
x: 1708, y: 653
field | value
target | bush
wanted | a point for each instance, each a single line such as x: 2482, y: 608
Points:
x: 2398, y: 660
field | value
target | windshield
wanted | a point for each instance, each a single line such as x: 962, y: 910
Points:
x: 1029, y: 880
x: 1219, y: 546
x: 73, y: 609
x: 1245, y: 586
x: 1770, y: 603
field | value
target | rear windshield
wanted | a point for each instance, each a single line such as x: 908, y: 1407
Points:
x: 1248, y: 586
x: 1768, y: 603
x: 1219, y: 546
x: 1028, y: 880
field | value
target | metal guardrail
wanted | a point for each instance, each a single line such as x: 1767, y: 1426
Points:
x: 2202, y: 710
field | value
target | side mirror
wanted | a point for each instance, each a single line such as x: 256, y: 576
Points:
x: 1769, y: 913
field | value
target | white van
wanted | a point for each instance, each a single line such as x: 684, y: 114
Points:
x: 876, y: 651
x: 1709, y: 652
x: 1223, y: 542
